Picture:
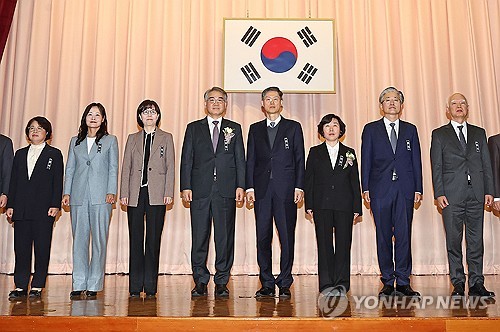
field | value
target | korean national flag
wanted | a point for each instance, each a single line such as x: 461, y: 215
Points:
x: 295, y: 55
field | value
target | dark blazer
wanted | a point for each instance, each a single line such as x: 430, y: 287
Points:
x: 6, y: 157
x: 286, y: 158
x: 450, y: 164
x: 332, y: 189
x: 378, y: 160
x: 494, y: 146
x: 32, y: 198
x: 198, y: 159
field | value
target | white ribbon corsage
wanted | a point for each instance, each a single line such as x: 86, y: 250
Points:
x: 228, y: 135
x: 350, y: 159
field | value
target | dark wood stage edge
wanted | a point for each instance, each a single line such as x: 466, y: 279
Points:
x: 174, y: 310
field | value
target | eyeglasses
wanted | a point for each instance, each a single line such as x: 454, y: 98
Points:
x: 149, y: 111
x: 274, y: 100
x: 389, y: 100
x: 458, y: 102
x: 213, y: 100
x: 33, y: 129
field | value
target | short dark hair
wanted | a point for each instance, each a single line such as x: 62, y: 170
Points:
x: 215, y: 88
x: 144, y: 105
x: 44, y: 123
x: 272, y: 88
x: 327, y: 119
x: 401, y: 97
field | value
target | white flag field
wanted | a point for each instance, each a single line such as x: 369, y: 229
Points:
x: 295, y: 55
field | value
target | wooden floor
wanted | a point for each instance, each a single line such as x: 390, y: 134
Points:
x: 173, y: 308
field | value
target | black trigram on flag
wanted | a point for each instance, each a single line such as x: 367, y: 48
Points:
x: 250, y: 36
x: 307, y: 73
x: 307, y: 36
x: 250, y: 72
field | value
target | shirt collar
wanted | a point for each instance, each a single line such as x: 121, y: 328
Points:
x: 38, y: 147
x: 278, y: 119
x: 388, y: 123
x: 456, y: 124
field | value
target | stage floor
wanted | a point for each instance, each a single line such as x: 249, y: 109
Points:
x: 174, y: 300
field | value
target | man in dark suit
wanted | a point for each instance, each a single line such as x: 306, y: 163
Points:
x: 6, y: 157
x: 494, y: 146
x: 212, y: 181
x: 463, y: 183
x: 275, y: 182
x: 391, y: 176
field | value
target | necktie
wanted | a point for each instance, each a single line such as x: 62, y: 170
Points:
x: 147, y: 152
x: 393, y: 139
x: 461, y: 137
x: 272, y: 124
x: 215, y: 135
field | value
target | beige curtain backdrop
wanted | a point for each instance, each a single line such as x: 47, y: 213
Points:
x: 63, y: 54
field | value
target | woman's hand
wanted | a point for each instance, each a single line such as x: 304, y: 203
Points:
x: 110, y: 198
x: 65, y: 200
x: 167, y: 200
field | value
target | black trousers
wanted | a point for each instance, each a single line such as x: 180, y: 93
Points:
x: 284, y: 213
x: 222, y: 210
x: 29, y: 234
x: 144, y: 255
x: 334, y: 261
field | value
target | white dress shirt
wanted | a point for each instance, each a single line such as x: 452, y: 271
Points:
x: 333, y: 152
x: 34, y: 152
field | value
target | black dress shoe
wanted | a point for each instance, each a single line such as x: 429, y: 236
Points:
x: 387, y: 290
x: 135, y: 294
x: 90, y: 293
x: 458, y: 290
x: 150, y: 295
x: 406, y: 291
x: 75, y: 294
x: 285, y: 292
x: 479, y: 290
x: 199, y: 290
x: 221, y: 291
x: 17, y: 294
x: 265, y: 292
x: 35, y: 293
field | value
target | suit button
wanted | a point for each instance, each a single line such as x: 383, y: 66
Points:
x: 149, y: 168
x: 88, y: 162
x: 333, y: 187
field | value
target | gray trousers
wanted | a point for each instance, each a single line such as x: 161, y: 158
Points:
x: 470, y: 213
x: 87, y: 220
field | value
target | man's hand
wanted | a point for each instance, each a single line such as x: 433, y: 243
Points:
x: 187, y: 195
x: 124, y: 201
x: 442, y: 202
x: 168, y: 200
x: 298, y: 196
x: 366, y: 196
x: 418, y: 197
x: 240, y: 194
x: 488, y: 200
x: 9, y: 212
x: 496, y: 205
x: 3, y: 201
x: 251, y: 197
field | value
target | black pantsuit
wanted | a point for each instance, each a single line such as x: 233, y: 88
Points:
x: 145, y: 255
x: 333, y: 194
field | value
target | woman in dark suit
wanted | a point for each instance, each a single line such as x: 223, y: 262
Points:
x: 147, y: 186
x: 333, y: 200
x: 34, y: 200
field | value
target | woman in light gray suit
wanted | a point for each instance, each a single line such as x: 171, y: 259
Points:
x: 147, y: 186
x: 90, y: 190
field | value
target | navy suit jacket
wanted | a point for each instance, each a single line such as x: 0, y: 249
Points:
x: 332, y: 188
x: 32, y: 198
x: 286, y: 159
x: 378, y: 160
x: 494, y: 146
x: 6, y: 157
x: 198, y: 159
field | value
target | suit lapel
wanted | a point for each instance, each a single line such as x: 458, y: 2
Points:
x: 41, y: 162
x: 205, y: 131
x: 324, y: 157
x: 382, y: 132
x: 452, y: 135
x: 341, y: 158
x: 93, y: 148
x: 280, y: 135
x: 156, y: 141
